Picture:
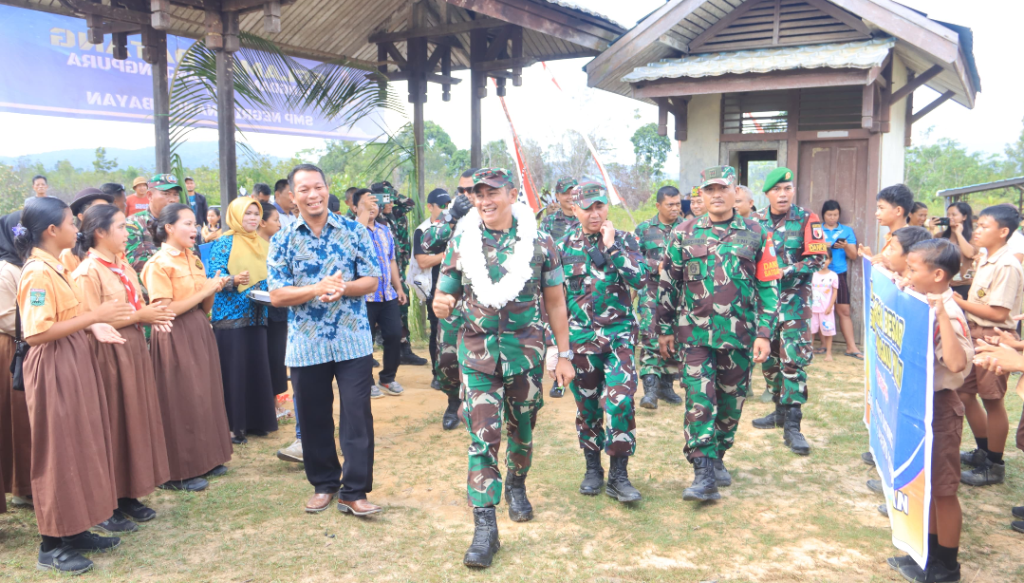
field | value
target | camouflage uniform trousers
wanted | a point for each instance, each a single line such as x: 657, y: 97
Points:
x: 717, y: 381
x: 404, y: 310
x: 446, y: 369
x: 651, y: 361
x: 785, y: 368
x: 489, y: 399
x: 605, y: 385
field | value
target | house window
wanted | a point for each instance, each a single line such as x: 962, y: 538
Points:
x: 830, y: 108
x: 755, y: 112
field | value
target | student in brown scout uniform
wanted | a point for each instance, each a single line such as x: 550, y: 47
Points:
x: 995, y: 297
x: 72, y: 465
x: 185, y: 360
x: 931, y: 266
x: 15, y: 434
x: 126, y: 370
x: 84, y: 200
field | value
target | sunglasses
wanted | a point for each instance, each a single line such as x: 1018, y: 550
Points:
x: 465, y: 189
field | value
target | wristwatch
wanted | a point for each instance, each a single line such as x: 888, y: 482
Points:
x: 568, y: 354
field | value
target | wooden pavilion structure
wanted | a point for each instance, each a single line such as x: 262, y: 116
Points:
x: 824, y: 87
x: 951, y: 195
x: 418, y: 41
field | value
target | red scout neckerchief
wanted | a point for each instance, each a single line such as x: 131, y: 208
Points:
x: 133, y: 296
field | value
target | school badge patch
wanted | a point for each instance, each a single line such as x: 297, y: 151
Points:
x: 199, y: 263
x: 37, y: 297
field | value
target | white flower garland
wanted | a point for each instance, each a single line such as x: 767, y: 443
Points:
x: 496, y: 294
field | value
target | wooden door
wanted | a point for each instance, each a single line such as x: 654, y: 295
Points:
x: 839, y: 171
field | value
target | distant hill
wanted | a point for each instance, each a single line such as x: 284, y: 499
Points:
x: 193, y: 155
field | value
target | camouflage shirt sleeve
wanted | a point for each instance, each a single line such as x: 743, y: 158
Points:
x: 551, y: 273
x: 140, y: 247
x: 450, y: 280
x: 668, y: 287
x: 768, y: 297
x: 435, y: 238
x: 628, y: 261
x: 810, y: 264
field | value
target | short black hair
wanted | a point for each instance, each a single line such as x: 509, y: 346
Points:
x: 268, y: 211
x: 469, y: 173
x: 667, y: 192
x: 1005, y: 215
x: 305, y: 168
x: 898, y: 195
x: 938, y: 254
x: 37, y: 177
x: 333, y: 204
x: 831, y: 205
x: 357, y: 195
x: 280, y: 185
x: 261, y: 188
x: 907, y: 236
x: 918, y: 205
x: 114, y: 189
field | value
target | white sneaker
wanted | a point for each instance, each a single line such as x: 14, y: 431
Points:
x: 23, y: 502
x: 392, y: 389
x: 375, y: 392
x: 292, y: 453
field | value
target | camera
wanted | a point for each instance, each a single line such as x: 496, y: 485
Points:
x: 942, y: 222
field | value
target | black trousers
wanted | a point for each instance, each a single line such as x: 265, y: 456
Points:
x: 316, y: 409
x: 388, y: 316
x: 433, y: 332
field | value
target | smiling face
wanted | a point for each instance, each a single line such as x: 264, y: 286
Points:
x: 919, y: 217
x: 781, y: 197
x: 310, y: 194
x: 565, y: 201
x: 719, y: 200
x: 697, y: 206
x: 182, y: 234
x: 592, y: 218
x: 494, y: 205
x: 251, y: 218
x: 954, y: 215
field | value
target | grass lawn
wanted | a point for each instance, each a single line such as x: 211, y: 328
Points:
x: 785, y: 518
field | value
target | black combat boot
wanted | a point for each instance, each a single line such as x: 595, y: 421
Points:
x: 593, y: 479
x: 519, y: 507
x: 485, y: 539
x: 409, y: 358
x: 791, y: 432
x: 774, y: 419
x: 651, y: 384
x: 666, y: 392
x: 450, y: 419
x: 703, y: 487
x: 722, y: 476
x: 618, y: 481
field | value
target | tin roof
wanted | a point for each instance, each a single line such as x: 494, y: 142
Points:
x: 857, y: 55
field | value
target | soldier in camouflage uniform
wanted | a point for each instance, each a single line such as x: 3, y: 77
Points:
x: 657, y: 374
x: 435, y: 239
x: 503, y: 269
x: 601, y: 266
x: 163, y: 190
x: 801, y: 250
x: 717, y: 305
x: 561, y: 219
x: 395, y: 209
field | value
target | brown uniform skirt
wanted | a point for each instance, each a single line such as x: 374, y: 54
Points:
x: 188, y: 382
x: 15, y: 432
x: 72, y: 465
x: 136, y: 427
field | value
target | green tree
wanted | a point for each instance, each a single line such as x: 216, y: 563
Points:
x: 101, y: 164
x: 947, y: 164
x: 651, y: 149
x: 1015, y: 156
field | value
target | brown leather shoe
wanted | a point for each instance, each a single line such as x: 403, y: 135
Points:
x: 358, y: 507
x: 319, y: 502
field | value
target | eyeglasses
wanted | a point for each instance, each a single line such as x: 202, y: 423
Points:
x: 465, y: 189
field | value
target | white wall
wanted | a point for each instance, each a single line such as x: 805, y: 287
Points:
x: 700, y: 150
x: 890, y: 167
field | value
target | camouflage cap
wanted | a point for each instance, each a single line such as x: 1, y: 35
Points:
x: 493, y: 177
x: 780, y: 174
x: 724, y: 175
x: 164, y: 182
x: 586, y: 194
x: 382, y: 188
x: 564, y: 184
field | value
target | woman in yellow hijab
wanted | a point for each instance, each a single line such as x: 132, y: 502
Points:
x: 240, y: 324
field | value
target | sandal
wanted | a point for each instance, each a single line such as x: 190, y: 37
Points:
x: 819, y: 351
x: 857, y: 355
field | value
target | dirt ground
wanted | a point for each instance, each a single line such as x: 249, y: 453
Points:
x: 785, y: 519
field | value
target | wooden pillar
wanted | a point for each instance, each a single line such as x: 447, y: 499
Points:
x: 226, y: 127
x: 478, y: 84
x: 417, y: 132
x: 155, y: 43
x: 792, y: 127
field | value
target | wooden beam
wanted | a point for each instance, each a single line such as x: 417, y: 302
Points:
x: 478, y: 84
x: 432, y: 31
x: 775, y: 21
x: 435, y: 57
x: 429, y: 77
x: 867, y: 106
x: 226, y: 126
x: 161, y: 100
x: 722, y: 24
x: 537, y: 18
x: 841, y: 15
x: 499, y: 44
x: 272, y: 17
x: 907, y: 25
x: 679, y: 111
x: 763, y: 82
x: 114, y: 13
x: 673, y: 44
x: 931, y: 106
x: 503, y: 64
x: 161, y: 14
x: 915, y: 83
x: 908, y: 116
x: 240, y: 5
x: 662, y: 115
x: 446, y: 71
x: 517, y: 53
x: 397, y: 55
x: 793, y: 135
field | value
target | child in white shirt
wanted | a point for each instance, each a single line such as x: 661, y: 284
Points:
x: 824, y: 288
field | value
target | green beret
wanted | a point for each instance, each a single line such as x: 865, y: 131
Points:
x: 780, y: 174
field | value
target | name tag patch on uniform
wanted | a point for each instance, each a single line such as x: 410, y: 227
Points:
x: 571, y: 259
x: 37, y: 297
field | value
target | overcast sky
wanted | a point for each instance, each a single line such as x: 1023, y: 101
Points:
x: 542, y: 114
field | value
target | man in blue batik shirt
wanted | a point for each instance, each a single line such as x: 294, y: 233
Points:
x: 322, y: 266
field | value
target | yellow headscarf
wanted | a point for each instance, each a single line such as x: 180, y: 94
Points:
x: 248, y: 250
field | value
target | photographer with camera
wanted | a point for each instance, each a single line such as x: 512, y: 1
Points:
x: 959, y: 224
